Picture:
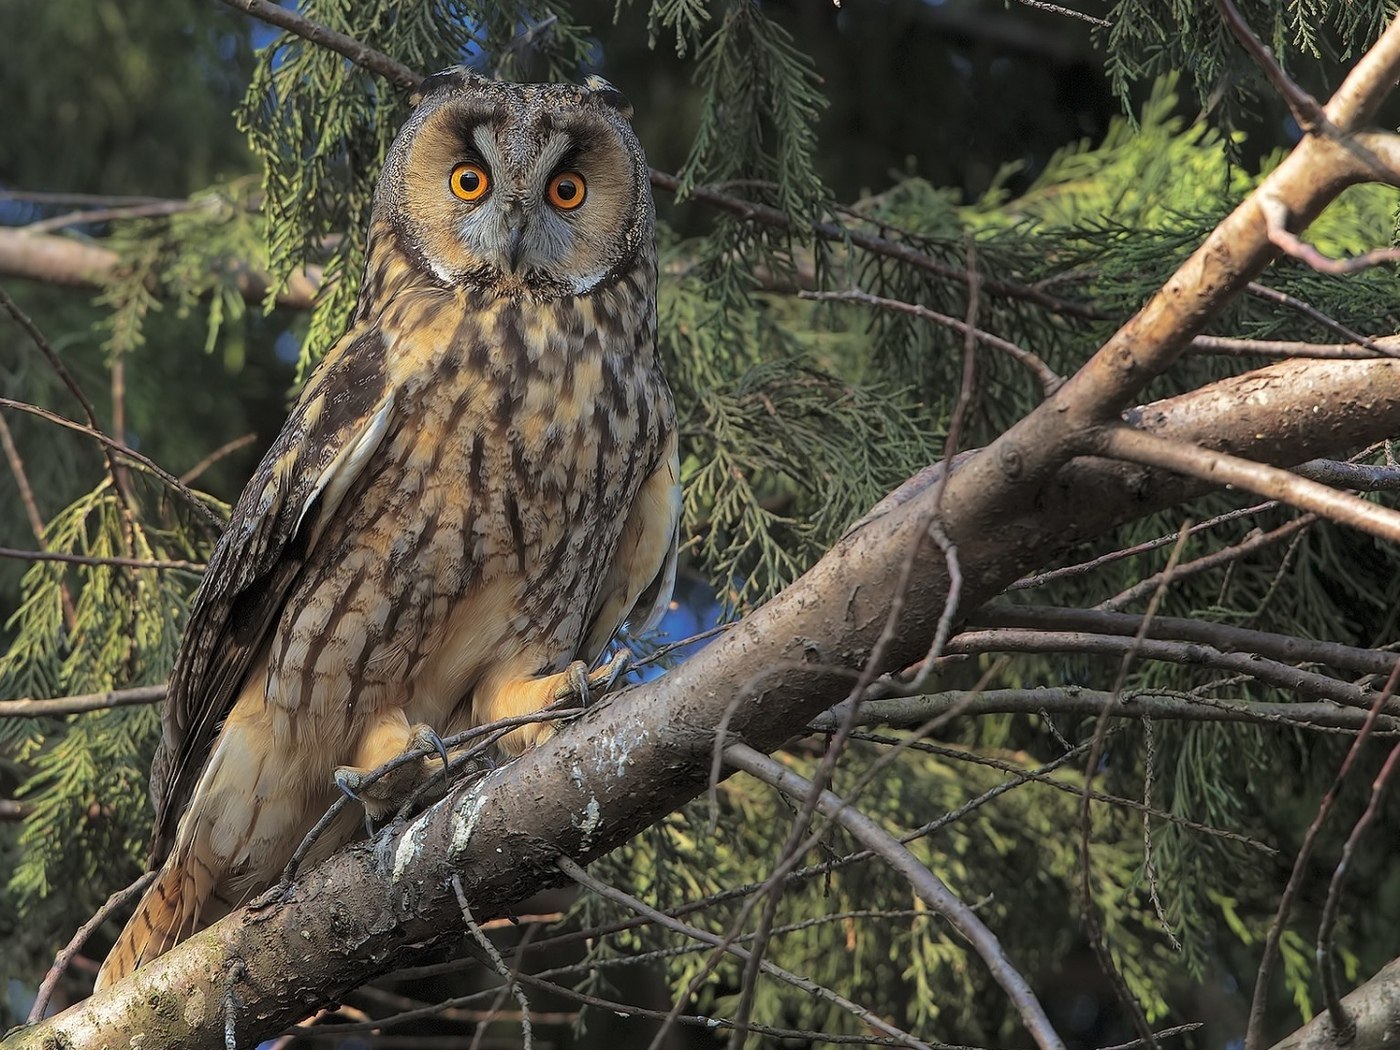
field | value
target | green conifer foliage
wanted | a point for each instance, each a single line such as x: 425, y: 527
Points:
x: 796, y: 417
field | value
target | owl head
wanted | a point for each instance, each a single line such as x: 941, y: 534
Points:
x: 525, y: 189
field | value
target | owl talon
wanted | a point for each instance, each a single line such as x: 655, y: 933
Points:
x: 351, y: 782
x: 426, y: 738
x: 612, y: 671
x: 575, y: 684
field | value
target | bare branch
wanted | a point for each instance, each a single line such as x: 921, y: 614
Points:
x: 73, y: 263
x: 95, y: 215
x: 85, y: 559
x: 1217, y: 344
x: 1251, y: 544
x: 366, y: 57
x: 1342, y: 1022
x: 1049, y: 380
x: 1306, y: 111
x: 912, y: 711
x: 1306, y: 309
x: 1221, y: 468
x: 1225, y: 637
x: 1305, y: 683
x: 1254, y: 1033
x: 579, y: 875
x: 1276, y: 215
x: 227, y: 448
x: 1147, y: 546
x: 925, y: 883
x: 65, y: 957
x: 109, y: 442
x: 62, y: 706
x: 1374, y: 1008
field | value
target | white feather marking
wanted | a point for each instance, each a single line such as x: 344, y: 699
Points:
x: 342, y: 471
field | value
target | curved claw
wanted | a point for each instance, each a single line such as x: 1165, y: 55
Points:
x: 576, y: 683
x: 424, y: 738
x: 349, y: 783
x: 615, y: 668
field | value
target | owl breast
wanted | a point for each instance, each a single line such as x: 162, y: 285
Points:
x: 496, y: 502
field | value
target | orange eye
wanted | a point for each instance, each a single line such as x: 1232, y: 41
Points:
x: 469, y: 182
x: 566, y: 190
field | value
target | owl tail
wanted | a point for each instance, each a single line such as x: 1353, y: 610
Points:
x: 168, y: 913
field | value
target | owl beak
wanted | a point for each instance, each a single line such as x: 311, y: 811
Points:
x: 515, y: 244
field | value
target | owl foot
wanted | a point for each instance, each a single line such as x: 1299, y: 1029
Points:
x: 381, y: 789
x: 579, y: 683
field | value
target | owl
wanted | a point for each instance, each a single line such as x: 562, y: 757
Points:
x: 475, y: 490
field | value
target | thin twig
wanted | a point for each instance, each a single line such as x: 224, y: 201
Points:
x: 86, y: 559
x: 1254, y: 1033
x: 527, y: 1037
x: 1085, y: 567
x: 1218, y: 344
x: 1021, y: 640
x: 1028, y: 776
x: 62, y: 960
x: 1049, y: 379
x: 116, y: 446
x: 153, y: 209
x: 929, y: 887
x: 26, y: 494
x: 1068, y: 12
x: 1223, y: 636
x: 82, y: 200
x: 579, y: 875
x: 1163, y: 705
x: 1087, y: 907
x: 56, y: 363
x: 1220, y: 468
x: 508, y: 987
x: 1343, y: 1025
x: 31, y: 511
x: 219, y: 453
x: 1149, y: 867
x: 1251, y: 544
x: 1276, y: 222
x: 365, y: 57
x: 1263, y: 291
x: 1307, y: 111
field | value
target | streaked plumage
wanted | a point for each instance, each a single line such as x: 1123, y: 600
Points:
x: 477, y: 486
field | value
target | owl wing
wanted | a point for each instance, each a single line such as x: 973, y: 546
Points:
x: 643, y: 573
x: 335, y: 427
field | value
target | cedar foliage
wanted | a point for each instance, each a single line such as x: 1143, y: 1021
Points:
x: 796, y: 418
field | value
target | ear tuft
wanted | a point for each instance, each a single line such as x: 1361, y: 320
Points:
x: 608, y: 95
x: 451, y: 77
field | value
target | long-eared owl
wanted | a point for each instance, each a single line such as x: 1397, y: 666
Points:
x: 475, y: 490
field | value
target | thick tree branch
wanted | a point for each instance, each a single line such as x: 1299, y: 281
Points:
x: 1374, y: 1008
